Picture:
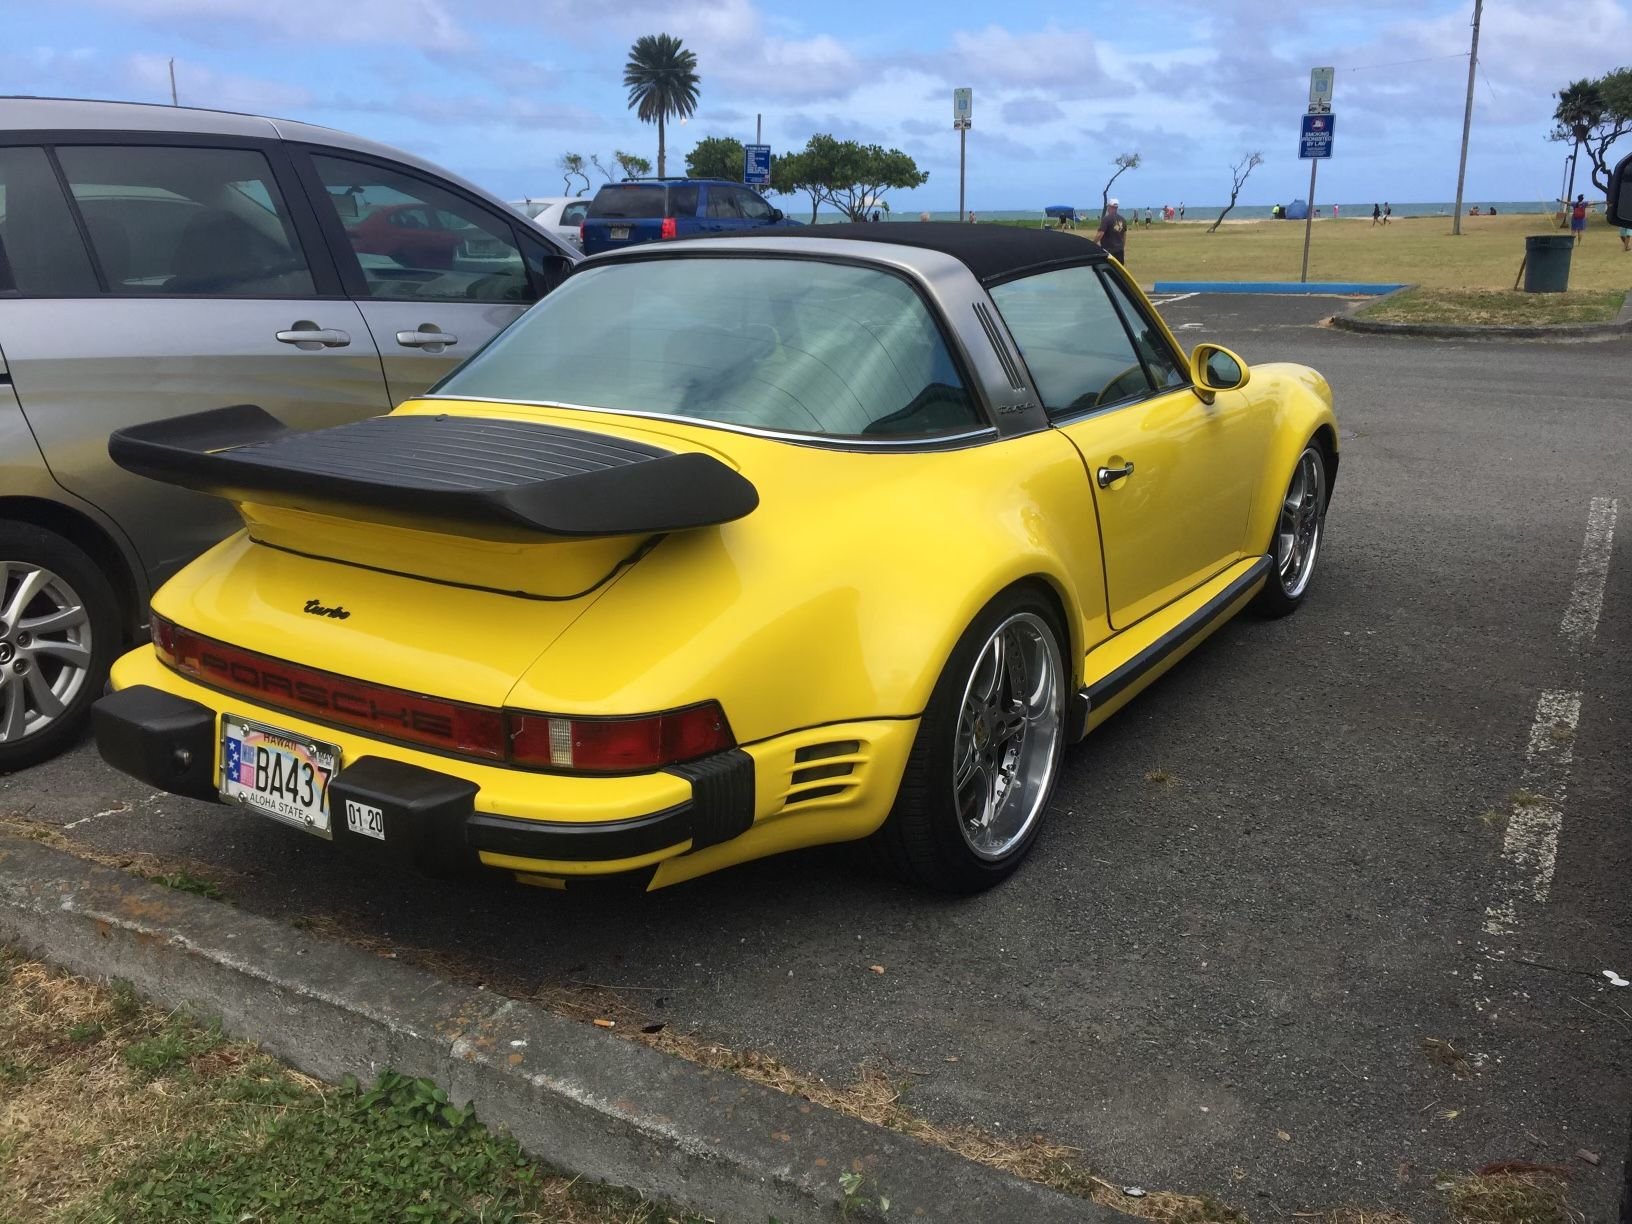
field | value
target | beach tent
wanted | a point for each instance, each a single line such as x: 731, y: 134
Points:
x: 1298, y: 210
x: 1065, y: 211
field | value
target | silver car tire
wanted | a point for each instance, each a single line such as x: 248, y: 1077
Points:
x: 59, y: 634
x: 1299, y: 531
x: 987, y: 751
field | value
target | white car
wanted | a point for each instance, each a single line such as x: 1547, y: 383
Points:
x: 561, y: 215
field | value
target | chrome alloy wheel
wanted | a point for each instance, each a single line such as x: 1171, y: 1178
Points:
x: 1008, y: 735
x: 1297, y: 534
x: 45, y: 648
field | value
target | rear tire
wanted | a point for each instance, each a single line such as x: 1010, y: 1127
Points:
x: 988, y: 749
x: 1300, y: 527
x: 59, y: 634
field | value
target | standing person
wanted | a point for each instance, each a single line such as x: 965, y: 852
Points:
x: 1334, y: 212
x: 1578, y: 218
x: 1181, y: 210
x: 1626, y: 238
x: 1376, y: 214
x: 1112, y: 234
x: 1387, y: 212
x: 1147, y: 214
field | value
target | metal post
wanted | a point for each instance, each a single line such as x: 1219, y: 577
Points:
x: 173, y: 101
x: 1309, y: 220
x: 759, y: 134
x: 963, y: 134
x: 1467, y: 119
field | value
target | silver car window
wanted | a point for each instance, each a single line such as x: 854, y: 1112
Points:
x: 38, y: 239
x: 186, y: 221
x: 1072, y: 339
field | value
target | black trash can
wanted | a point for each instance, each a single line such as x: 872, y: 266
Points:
x: 1547, y: 262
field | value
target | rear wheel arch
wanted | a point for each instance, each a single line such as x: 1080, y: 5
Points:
x: 1326, y: 438
x: 89, y: 536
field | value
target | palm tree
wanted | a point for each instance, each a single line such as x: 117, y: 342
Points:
x: 662, y: 79
x: 1580, y: 109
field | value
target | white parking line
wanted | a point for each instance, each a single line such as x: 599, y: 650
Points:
x: 1169, y: 299
x: 1535, y: 815
x: 1587, y: 595
x: 1536, y: 811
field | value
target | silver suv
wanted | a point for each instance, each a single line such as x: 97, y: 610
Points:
x: 155, y: 261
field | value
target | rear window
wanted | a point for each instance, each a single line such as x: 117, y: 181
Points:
x: 644, y: 200
x: 781, y: 344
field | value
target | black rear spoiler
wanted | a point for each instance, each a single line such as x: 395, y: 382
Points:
x: 472, y: 476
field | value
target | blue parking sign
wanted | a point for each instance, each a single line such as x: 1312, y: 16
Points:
x: 1316, y: 138
x: 756, y: 164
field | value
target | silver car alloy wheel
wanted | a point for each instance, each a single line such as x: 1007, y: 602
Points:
x: 45, y: 648
x: 1007, y: 740
x: 1297, y: 534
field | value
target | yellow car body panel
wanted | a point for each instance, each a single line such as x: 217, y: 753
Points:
x: 820, y: 622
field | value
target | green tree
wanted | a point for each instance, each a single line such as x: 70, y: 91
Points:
x: 1592, y: 115
x: 717, y: 157
x: 629, y: 165
x: 1124, y: 163
x: 661, y: 76
x: 852, y: 177
x: 571, y: 166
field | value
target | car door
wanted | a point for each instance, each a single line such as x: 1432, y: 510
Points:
x: 432, y: 302
x: 163, y: 275
x: 720, y: 209
x: 1172, y: 475
x: 755, y: 212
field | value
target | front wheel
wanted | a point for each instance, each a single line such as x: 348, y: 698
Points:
x: 1299, y: 525
x: 988, y: 748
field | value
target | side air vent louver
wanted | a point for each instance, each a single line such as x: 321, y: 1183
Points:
x: 834, y: 766
x: 989, y: 326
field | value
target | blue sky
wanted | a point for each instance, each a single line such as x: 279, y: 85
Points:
x: 498, y: 90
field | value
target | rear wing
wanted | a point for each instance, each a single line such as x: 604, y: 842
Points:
x: 472, y: 476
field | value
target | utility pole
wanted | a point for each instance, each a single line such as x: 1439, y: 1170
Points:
x: 1467, y: 119
x: 173, y: 101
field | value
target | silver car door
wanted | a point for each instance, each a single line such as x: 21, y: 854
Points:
x: 204, y: 285
x: 433, y: 300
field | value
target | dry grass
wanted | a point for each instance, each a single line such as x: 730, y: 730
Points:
x: 1413, y: 250
x: 1509, y: 1198
x: 188, y: 875
x: 1487, y: 307
x: 1352, y: 1215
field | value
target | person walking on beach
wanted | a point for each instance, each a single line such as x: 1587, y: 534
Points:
x: 1578, y: 218
x: 1376, y: 214
x: 1112, y: 234
x: 1387, y: 212
x: 1334, y: 212
x: 1181, y: 210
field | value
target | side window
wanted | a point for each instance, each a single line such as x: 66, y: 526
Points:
x: 1165, y: 371
x: 195, y: 222
x: 548, y: 266
x: 683, y: 200
x: 38, y: 238
x: 1072, y: 339
x: 722, y: 203
x: 417, y: 241
x: 573, y: 214
x: 752, y: 206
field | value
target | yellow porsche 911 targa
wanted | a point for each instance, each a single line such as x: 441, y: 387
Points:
x: 727, y: 547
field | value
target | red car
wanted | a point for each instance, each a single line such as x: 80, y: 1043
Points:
x: 415, y: 235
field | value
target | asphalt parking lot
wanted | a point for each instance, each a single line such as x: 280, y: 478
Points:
x: 1351, y: 878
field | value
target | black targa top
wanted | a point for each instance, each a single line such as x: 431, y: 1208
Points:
x: 992, y: 252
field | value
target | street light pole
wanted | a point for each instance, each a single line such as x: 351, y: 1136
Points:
x: 1467, y: 119
x: 173, y: 101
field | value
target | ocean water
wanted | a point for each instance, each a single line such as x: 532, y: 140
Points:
x: 1209, y: 212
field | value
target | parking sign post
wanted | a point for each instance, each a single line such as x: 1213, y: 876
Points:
x: 963, y: 117
x: 1315, y: 145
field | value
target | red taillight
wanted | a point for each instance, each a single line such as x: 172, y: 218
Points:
x: 619, y: 745
x: 534, y: 741
x: 474, y: 731
x: 581, y: 227
x: 670, y: 228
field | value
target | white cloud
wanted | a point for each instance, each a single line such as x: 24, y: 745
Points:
x: 412, y: 23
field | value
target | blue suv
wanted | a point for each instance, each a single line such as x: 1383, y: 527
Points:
x: 649, y: 209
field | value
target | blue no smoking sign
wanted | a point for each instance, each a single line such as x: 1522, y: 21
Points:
x: 1316, y: 138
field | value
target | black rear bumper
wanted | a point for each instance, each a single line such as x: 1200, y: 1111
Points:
x: 169, y: 743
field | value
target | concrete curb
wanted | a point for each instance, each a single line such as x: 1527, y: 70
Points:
x: 594, y: 1105
x: 1621, y: 325
x: 1311, y: 288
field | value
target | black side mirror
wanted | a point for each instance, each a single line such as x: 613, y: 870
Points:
x: 1620, y: 194
x: 776, y: 214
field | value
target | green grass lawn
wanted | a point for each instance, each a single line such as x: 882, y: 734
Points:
x: 112, y: 1112
x: 1482, y: 307
x: 1415, y: 250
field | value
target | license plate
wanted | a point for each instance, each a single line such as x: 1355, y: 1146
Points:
x: 620, y: 232
x: 366, y: 819
x: 277, y: 773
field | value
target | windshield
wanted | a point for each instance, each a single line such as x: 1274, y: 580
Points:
x: 781, y: 344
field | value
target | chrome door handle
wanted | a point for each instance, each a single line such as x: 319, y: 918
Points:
x: 1109, y: 476
x: 426, y: 339
x: 304, y: 334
